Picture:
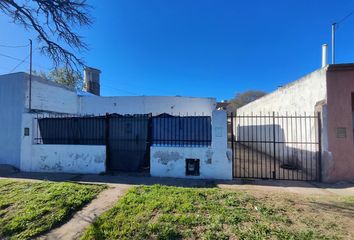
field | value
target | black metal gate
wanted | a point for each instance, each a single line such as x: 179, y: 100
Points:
x: 128, y: 142
x: 127, y: 137
x: 276, y: 146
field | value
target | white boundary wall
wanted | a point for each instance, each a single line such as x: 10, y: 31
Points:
x: 146, y: 104
x: 297, y: 97
x: 68, y: 158
x: 51, y: 96
x: 215, y: 161
x: 58, y: 158
x: 12, y: 100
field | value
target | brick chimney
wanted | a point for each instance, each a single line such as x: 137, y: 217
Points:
x: 92, y: 80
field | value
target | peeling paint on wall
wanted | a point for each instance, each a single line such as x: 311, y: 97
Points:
x: 209, y: 156
x: 57, y: 167
x: 166, y: 157
x: 215, y: 163
x: 68, y: 158
x: 43, y: 158
x: 229, y: 155
x: 98, y: 159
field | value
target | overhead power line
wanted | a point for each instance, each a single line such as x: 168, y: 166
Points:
x: 345, y: 18
x: 9, y: 46
x: 14, y: 58
x: 19, y: 64
x: 335, y: 27
x: 18, y: 59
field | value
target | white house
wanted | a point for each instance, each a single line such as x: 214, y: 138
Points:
x: 21, y: 101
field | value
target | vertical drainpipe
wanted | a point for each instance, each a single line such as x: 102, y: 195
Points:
x: 30, y: 79
x: 333, y: 43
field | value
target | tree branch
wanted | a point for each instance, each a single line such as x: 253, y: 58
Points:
x: 53, y: 21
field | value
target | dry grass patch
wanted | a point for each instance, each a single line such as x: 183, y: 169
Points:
x: 160, y: 212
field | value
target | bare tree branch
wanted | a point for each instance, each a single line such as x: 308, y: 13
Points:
x: 54, y: 22
x: 244, y: 98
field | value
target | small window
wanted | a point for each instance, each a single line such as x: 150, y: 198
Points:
x: 192, y: 167
x: 26, y: 131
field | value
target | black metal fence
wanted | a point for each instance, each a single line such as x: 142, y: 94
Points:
x: 165, y: 129
x: 183, y: 131
x: 71, y: 129
x: 276, y: 146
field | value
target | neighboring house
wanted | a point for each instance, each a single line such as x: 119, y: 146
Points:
x: 28, y: 109
x: 330, y: 91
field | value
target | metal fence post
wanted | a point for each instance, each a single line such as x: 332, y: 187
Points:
x: 149, y: 139
x: 319, y: 146
x: 274, y: 147
x: 107, y: 142
x: 232, y: 144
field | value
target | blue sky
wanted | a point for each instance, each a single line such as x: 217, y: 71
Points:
x: 200, y: 48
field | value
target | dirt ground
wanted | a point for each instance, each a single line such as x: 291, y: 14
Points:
x: 250, y: 163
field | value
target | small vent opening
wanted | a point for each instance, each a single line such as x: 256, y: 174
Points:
x: 192, y: 167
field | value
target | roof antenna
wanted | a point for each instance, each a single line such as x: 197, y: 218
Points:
x: 333, y: 42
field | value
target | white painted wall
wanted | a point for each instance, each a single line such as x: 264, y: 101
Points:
x: 68, y: 159
x: 27, y: 142
x: 297, y: 97
x: 146, y: 104
x: 53, y: 97
x: 58, y: 158
x: 215, y: 161
x: 12, y: 89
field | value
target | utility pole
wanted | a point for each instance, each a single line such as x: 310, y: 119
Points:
x: 333, y: 43
x: 30, y: 78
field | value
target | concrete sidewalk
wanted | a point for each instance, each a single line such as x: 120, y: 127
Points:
x: 74, y: 228
x: 297, y: 187
x: 133, y: 179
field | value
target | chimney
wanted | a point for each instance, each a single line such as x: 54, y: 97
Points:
x: 92, y: 80
x: 324, y: 55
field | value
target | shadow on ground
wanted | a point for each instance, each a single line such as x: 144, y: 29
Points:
x: 143, y: 178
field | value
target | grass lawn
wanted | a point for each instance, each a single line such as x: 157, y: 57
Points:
x: 160, y: 212
x: 30, y: 208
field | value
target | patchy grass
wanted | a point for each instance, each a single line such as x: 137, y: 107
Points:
x: 160, y: 212
x: 30, y: 208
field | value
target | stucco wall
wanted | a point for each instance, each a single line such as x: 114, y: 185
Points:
x: 12, y: 88
x: 53, y: 97
x: 67, y: 158
x: 215, y: 161
x: 146, y: 104
x: 340, y: 81
x: 58, y: 158
x: 298, y: 97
